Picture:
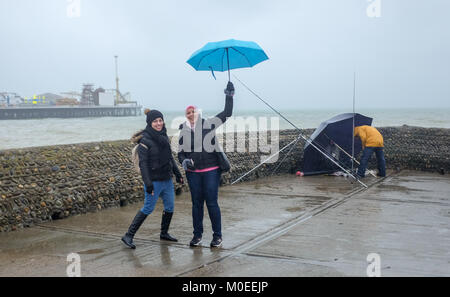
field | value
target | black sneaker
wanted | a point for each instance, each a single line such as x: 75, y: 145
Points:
x: 216, y: 242
x: 195, y: 241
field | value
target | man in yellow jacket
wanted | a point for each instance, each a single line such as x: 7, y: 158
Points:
x: 372, y: 141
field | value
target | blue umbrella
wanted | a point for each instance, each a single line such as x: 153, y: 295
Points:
x: 226, y: 55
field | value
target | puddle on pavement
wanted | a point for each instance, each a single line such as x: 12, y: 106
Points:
x: 397, y: 188
x: 90, y: 252
x: 445, y: 212
x: 294, y: 209
x: 328, y: 189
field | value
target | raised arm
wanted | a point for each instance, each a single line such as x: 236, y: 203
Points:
x: 228, y: 110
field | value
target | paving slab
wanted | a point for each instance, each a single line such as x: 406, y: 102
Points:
x: 248, y: 210
x: 43, y: 252
x: 405, y: 220
x: 278, y: 226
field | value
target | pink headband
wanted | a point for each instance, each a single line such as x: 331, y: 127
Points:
x: 190, y: 106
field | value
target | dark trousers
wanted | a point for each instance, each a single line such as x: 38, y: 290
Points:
x: 366, y: 155
x: 204, y: 187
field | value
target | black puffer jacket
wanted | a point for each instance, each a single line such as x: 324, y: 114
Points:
x: 191, y: 146
x: 153, y: 166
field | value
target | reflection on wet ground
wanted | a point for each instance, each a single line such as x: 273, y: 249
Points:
x: 279, y: 226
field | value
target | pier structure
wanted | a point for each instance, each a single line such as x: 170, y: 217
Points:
x: 21, y: 113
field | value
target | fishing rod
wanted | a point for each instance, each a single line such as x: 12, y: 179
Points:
x: 332, y: 142
x: 353, y: 159
x: 353, y: 138
x: 301, y: 135
x: 260, y: 164
x: 287, y: 120
x: 353, y: 126
x: 287, y: 154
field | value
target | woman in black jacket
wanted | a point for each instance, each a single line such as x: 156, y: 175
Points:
x: 201, y: 157
x: 156, y: 164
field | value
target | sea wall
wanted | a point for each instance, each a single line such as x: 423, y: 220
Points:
x: 53, y: 182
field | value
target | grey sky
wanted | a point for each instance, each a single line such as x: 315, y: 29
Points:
x: 401, y: 58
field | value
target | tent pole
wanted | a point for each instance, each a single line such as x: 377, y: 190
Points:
x: 301, y: 135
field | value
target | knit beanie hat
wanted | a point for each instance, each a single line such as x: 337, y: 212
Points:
x: 153, y: 115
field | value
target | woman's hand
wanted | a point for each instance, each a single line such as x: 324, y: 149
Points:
x: 188, y: 164
x: 149, y: 189
x: 229, y: 91
x: 179, y: 180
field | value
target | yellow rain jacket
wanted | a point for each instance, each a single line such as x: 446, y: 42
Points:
x: 370, y: 137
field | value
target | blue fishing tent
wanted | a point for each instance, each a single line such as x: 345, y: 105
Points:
x: 332, y: 137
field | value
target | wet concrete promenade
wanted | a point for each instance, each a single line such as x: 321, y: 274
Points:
x: 281, y: 226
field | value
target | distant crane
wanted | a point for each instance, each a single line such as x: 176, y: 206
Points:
x: 117, y: 82
x: 120, y: 98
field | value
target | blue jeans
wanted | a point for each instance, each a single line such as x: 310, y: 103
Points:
x: 163, y: 189
x: 204, y: 187
x: 366, y: 155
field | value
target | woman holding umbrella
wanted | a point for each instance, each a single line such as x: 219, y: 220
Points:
x: 204, y: 165
x: 204, y: 162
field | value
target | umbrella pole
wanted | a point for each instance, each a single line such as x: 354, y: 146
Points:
x: 228, y: 63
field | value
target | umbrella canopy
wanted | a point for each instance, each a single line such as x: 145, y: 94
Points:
x: 337, y: 131
x: 226, y: 55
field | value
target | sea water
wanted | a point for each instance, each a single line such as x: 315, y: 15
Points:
x: 42, y: 132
